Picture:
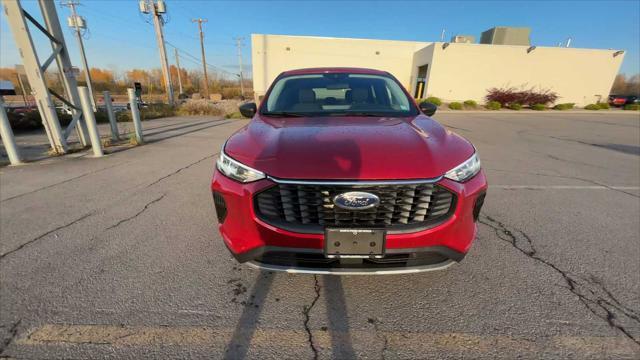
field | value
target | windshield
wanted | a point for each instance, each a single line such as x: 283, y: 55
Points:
x: 338, y: 94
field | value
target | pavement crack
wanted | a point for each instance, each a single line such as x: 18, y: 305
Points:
x: 380, y: 335
x: 12, y: 333
x: 136, y: 214
x: 454, y: 127
x: 307, y: 316
x: 180, y: 169
x: 62, y: 182
x: 45, y: 234
x: 591, y: 292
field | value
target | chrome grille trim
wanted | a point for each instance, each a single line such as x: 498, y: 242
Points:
x: 306, y: 207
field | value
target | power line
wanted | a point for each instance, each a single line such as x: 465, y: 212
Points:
x: 199, y: 61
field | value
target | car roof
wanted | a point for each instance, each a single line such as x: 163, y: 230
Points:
x: 329, y: 70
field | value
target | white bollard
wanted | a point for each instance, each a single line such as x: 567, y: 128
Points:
x: 90, y: 120
x: 7, y: 136
x: 112, y: 116
x: 135, y: 115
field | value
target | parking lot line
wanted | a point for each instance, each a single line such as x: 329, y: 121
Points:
x: 127, y: 336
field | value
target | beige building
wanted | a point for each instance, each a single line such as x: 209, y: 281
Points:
x: 450, y: 71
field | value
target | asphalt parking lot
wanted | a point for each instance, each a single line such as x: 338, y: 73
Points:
x: 119, y: 257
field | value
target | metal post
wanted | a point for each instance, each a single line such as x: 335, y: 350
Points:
x: 35, y: 74
x: 90, y: 120
x: 178, y: 66
x: 7, y: 136
x: 115, y: 135
x: 24, y: 91
x: 135, y: 115
x: 157, y: 22
x: 50, y: 18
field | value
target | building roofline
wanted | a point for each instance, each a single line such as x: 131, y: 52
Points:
x: 428, y: 43
x: 317, y: 70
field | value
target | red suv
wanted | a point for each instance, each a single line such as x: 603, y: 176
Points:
x: 339, y: 172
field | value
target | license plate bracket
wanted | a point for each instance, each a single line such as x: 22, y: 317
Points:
x: 354, y: 243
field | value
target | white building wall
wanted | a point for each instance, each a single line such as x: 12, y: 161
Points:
x: 273, y: 54
x: 459, y: 72
x: 465, y: 71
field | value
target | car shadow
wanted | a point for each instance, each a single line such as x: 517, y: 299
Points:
x: 245, y: 328
x: 338, y: 318
x: 150, y: 133
x: 150, y: 138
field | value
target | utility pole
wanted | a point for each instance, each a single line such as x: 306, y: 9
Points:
x: 78, y: 22
x: 178, y: 66
x: 157, y: 8
x: 239, y: 46
x: 204, y: 60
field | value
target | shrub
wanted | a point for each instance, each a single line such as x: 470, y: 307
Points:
x: 101, y: 116
x: 156, y: 111
x: 493, y: 105
x: 455, y: 106
x: 234, y: 115
x: 199, y: 107
x: 152, y: 111
x: 470, y: 104
x: 434, y: 100
x: 604, y: 106
x: 30, y: 120
x: 632, y: 107
x: 565, y: 106
x: 592, y: 107
x: 528, y: 97
x: 538, y: 107
x: 515, y: 106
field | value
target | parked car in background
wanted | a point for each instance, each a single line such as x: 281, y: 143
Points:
x: 622, y: 100
x: 340, y: 172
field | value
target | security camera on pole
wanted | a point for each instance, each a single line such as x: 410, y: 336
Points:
x: 156, y: 8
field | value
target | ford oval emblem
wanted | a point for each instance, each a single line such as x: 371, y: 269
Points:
x: 356, y: 200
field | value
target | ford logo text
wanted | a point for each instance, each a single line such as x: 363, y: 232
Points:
x: 356, y: 200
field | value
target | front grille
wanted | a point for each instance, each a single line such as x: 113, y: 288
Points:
x: 309, y: 208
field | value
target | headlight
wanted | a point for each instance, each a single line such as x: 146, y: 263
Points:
x: 466, y: 170
x: 237, y: 171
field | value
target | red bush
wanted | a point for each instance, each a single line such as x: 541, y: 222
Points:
x: 528, y: 97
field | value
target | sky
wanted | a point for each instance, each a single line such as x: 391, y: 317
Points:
x: 120, y: 37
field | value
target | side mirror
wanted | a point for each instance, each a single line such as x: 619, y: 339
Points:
x: 248, y: 110
x: 428, y: 108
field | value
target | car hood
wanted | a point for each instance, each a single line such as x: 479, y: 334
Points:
x: 338, y: 148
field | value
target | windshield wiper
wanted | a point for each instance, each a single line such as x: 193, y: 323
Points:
x: 283, y: 114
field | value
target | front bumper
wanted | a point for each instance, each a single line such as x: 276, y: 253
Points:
x: 263, y: 245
